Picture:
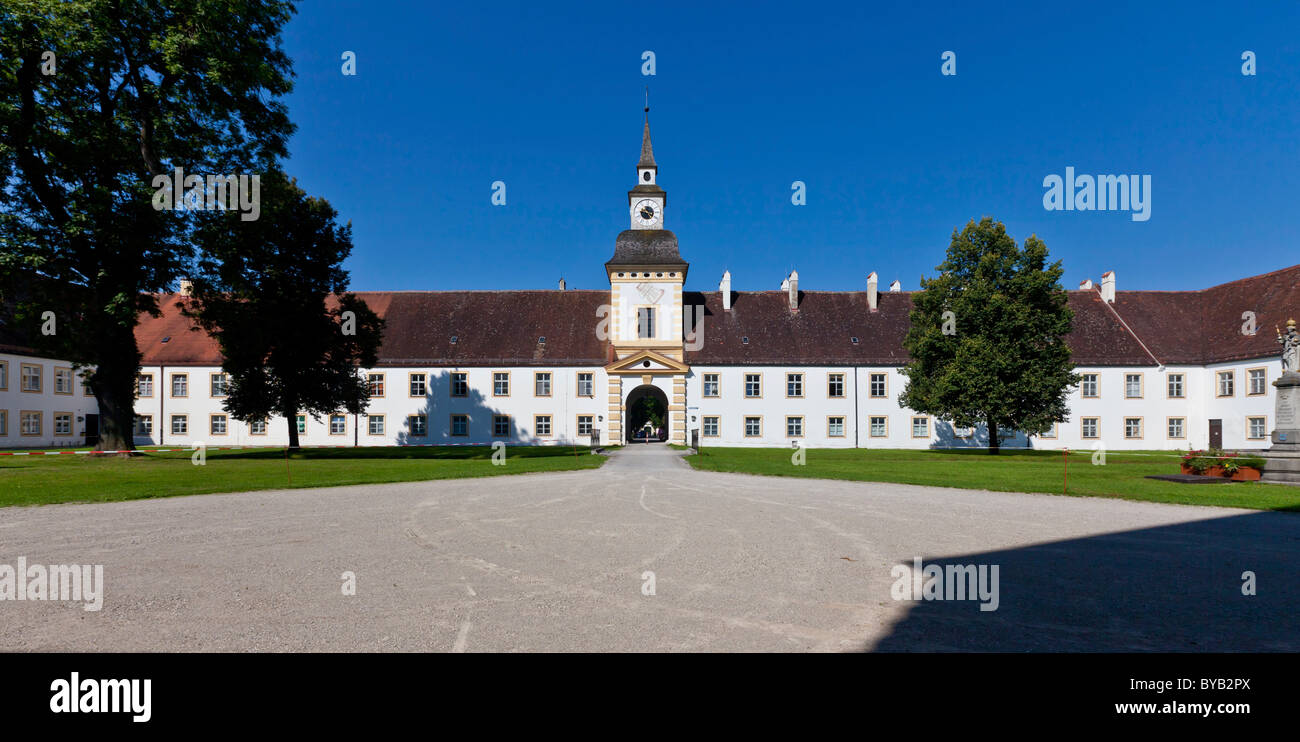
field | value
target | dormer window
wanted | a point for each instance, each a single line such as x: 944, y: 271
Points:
x: 745, y: 340
x: 455, y: 339
x: 541, y: 340
x: 854, y: 339
x: 167, y: 339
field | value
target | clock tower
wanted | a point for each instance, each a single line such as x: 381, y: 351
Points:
x: 646, y: 275
x: 646, y: 200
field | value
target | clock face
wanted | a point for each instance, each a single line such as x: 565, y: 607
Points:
x: 646, y: 212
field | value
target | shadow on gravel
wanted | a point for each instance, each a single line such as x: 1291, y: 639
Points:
x: 1174, y: 588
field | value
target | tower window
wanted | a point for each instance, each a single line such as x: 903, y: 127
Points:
x: 645, y: 322
x: 646, y: 176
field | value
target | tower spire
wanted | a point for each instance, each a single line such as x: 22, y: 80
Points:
x: 647, y: 153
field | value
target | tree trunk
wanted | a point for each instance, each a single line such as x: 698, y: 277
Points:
x: 994, y: 444
x: 291, y: 415
x: 116, y: 361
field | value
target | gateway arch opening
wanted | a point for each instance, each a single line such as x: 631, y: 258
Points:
x: 647, y: 414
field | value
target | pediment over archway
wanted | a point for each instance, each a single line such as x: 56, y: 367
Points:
x: 647, y: 362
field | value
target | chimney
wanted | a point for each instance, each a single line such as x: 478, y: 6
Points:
x: 1108, y: 287
x: 725, y: 288
x: 561, y: 284
x: 187, y: 287
x: 871, y: 290
x: 896, y: 286
x: 1085, y: 284
x: 793, y: 289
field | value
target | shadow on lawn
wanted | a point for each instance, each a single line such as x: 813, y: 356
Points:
x: 1174, y: 588
x: 390, y: 453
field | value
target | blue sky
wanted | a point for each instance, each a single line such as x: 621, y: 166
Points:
x: 750, y: 97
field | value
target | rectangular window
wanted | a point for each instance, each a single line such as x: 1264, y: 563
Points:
x: 542, y: 425
x: 753, y: 427
x: 920, y: 427
x: 219, y: 384
x: 1132, y: 427
x: 1174, y: 427
x: 217, y: 425
x: 257, y: 427
x: 645, y: 322
x: 878, y: 386
x: 879, y: 426
x: 29, y: 422
x: 4, y: 376
x: 375, y: 383
x: 418, y: 425
x: 711, y: 385
x: 835, y: 427
x: 460, y: 425
x: 501, y: 384
x: 793, y: 427
x: 963, y: 432
x: 835, y: 385
x: 459, y: 384
x: 338, y: 425
x: 753, y: 385
x: 417, y: 385
x: 794, y: 385
x: 144, y: 385
x: 180, y: 424
x: 180, y: 385
x: 1226, y: 383
x: 4, y: 423
x: 144, y: 424
x: 586, y: 385
x: 585, y: 425
x: 302, y: 424
x: 1088, y: 427
x: 1088, y: 386
x: 710, y: 427
x: 31, y: 377
x: 500, y: 426
x: 375, y: 424
x: 62, y: 380
x: 1132, y: 386
x: 1051, y: 432
x: 1258, y: 380
x: 1174, y: 386
x: 63, y: 423
x: 1256, y: 428
x: 542, y: 384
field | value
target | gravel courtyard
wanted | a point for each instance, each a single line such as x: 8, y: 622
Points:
x: 561, y: 562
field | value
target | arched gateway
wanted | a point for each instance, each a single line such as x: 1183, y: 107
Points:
x: 647, y: 414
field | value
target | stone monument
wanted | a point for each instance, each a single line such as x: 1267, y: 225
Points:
x: 1283, y: 458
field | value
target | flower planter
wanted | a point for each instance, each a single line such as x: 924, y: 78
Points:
x: 1243, y: 474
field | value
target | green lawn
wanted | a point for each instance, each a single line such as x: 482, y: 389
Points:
x: 40, y: 480
x: 1011, y: 471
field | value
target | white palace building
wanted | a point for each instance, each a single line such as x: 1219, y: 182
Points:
x: 1161, y: 369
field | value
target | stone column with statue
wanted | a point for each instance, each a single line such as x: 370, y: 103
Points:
x: 1283, y: 457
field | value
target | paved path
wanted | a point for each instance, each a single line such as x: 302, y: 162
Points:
x: 559, y: 562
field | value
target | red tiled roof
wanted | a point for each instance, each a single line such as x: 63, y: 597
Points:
x: 503, y: 327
